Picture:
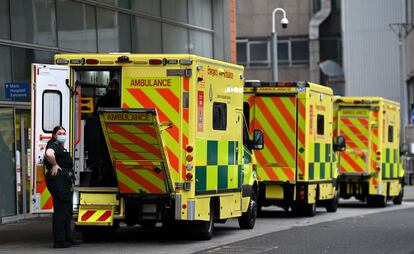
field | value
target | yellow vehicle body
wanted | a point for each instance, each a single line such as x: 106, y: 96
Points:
x: 175, y: 143
x: 370, y: 167
x: 297, y: 167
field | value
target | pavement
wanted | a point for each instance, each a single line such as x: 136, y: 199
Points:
x: 35, y: 236
x: 380, y: 233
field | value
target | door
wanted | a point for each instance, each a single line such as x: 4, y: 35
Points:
x: 51, y: 102
x: 276, y: 116
x: 22, y: 123
x: 354, y: 126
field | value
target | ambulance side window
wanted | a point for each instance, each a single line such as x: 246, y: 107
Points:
x: 320, y: 125
x: 390, y: 133
x: 51, y: 110
x: 246, y: 112
x: 219, y: 116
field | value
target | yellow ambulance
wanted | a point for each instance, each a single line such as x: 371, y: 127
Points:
x: 370, y: 167
x: 173, y: 151
x: 297, y: 168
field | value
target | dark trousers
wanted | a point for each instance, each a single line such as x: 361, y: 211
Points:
x: 60, y: 186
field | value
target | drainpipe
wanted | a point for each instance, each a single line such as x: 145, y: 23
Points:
x: 314, y: 50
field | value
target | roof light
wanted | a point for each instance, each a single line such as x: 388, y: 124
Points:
x: 285, y: 84
x: 61, y: 61
x: 77, y: 61
x: 186, y: 61
x: 155, y: 61
x: 123, y: 59
x: 107, y: 62
x: 91, y: 61
x: 172, y: 61
x: 140, y: 62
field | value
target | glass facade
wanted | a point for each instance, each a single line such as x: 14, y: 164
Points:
x: 7, y: 169
x: 32, y: 31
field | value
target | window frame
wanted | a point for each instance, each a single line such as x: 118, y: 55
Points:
x: 390, y: 130
x: 268, y: 63
x: 43, y: 108
x: 320, y: 124
x: 215, y: 122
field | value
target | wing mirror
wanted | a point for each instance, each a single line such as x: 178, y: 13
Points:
x: 340, y: 144
x: 258, y: 140
x: 404, y: 149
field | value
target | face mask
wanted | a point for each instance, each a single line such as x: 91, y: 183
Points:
x: 61, y: 139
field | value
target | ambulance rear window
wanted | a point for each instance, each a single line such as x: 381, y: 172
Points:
x: 219, y: 116
x: 52, y: 110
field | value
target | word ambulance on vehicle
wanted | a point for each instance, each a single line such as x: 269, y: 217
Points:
x: 297, y: 168
x: 174, y: 151
x: 370, y: 167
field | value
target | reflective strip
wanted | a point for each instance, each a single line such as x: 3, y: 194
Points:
x: 95, y: 216
x: 139, y: 179
x: 46, y: 200
x: 355, y: 159
x: 167, y: 103
x: 276, y: 116
x: 220, y: 170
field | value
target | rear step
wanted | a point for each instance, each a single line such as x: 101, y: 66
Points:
x: 137, y: 150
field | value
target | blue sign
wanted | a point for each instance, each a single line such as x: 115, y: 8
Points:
x: 17, y: 90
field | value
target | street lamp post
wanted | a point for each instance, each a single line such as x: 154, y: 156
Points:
x: 284, y: 21
x: 400, y: 29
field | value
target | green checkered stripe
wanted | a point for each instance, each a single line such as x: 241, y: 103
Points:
x: 390, y: 163
x: 320, y: 162
x: 218, y: 167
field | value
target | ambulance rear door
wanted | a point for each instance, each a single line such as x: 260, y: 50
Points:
x: 51, y: 102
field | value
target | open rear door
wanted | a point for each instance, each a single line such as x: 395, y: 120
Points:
x: 51, y: 100
x: 137, y: 150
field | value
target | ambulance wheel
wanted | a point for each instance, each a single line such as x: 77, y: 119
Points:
x: 248, y: 219
x: 309, y: 210
x: 332, y: 205
x: 148, y: 223
x: 398, y: 199
x: 205, y: 229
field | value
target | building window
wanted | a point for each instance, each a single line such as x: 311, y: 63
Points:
x: 257, y: 53
x: 4, y: 19
x: 300, y: 52
x: 34, y: 21
x: 52, y: 110
x: 320, y: 125
x: 331, y: 48
x: 76, y: 32
x: 390, y: 133
x: 219, y: 116
x: 110, y: 25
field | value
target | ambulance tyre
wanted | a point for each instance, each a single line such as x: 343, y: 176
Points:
x: 309, y: 210
x: 248, y: 219
x: 205, y: 229
x: 332, y: 204
x: 398, y: 199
